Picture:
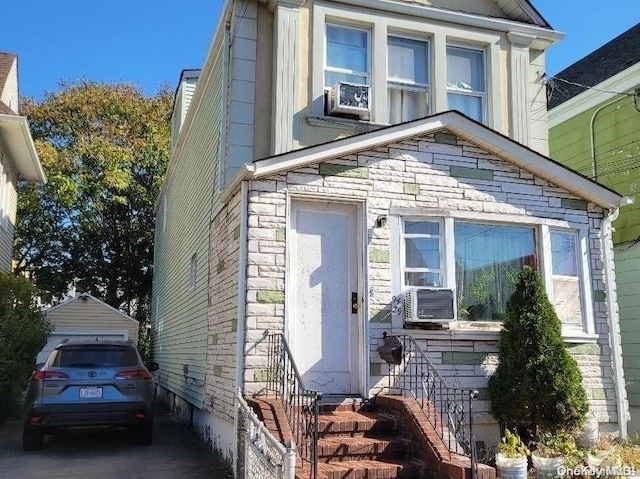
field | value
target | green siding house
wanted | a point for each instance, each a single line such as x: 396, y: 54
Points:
x: 594, y: 122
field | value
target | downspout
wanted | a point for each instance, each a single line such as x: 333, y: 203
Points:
x: 592, y: 135
x: 242, y: 287
x: 614, y: 319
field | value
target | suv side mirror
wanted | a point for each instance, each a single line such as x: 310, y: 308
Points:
x: 153, y: 366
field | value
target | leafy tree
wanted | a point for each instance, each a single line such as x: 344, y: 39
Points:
x: 537, y: 382
x: 23, y: 333
x: 104, y: 148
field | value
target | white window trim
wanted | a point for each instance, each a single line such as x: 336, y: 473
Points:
x: 442, y: 271
x: 413, y: 86
x: 193, y: 272
x: 477, y: 94
x: 541, y: 226
x: 326, y: 68
x: 382, y: 26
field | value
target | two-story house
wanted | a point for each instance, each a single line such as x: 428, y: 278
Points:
x: 594, y: 128
x: 354, y: 185
x: 18, y: 157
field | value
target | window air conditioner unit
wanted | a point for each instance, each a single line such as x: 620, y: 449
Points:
x: 428, y: 305
x: 349, y: 98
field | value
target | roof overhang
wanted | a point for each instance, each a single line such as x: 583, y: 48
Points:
x: 542, y: 35
x: 16, y: 137
x: 464, y: 127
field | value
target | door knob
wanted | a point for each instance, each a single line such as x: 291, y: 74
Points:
x: 354, y: 303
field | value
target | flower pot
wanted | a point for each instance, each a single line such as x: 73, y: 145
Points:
x: 595, y: 460
x: 588, y: 436
x: 547, y: 467
x: 511, y: 467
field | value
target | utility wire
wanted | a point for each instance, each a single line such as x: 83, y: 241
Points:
x: 552, y: 79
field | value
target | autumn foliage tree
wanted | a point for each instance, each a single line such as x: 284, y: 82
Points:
x: 104, y: 149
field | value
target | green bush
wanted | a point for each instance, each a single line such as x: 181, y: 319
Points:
x: 23, y: 333
x: 537, y: 383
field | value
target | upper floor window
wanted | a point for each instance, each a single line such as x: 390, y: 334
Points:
x: 407, y: 79
x: 347, y: 55
x: 466, y: 81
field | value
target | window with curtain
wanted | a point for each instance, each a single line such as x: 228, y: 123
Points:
x: 466, y: 81
x: 423, y: 253
x: 407, y: 79
x: 487, y: 261
x: 566, y: 280
x: 347, y: 55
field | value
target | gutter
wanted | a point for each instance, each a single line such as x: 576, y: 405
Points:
x: 26, y: 150
x: 242, y: 288
x: 592, y: 136
x: 614, y: 317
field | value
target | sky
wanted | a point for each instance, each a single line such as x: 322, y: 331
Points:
x: 149, y: 42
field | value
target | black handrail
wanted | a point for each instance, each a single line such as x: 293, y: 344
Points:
x: 448, y: 409
x: 300, y: 404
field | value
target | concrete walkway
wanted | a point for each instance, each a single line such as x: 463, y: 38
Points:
x: 175, y: 453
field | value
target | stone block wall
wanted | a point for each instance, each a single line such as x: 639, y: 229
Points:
x: 224, y: 263
x: 439, y: 172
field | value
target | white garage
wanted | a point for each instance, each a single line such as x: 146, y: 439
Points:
x: 86, y: 317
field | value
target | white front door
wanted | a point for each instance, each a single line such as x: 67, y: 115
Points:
x: 323, y: 322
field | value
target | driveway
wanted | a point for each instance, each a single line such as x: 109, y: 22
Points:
x: 175, y: 453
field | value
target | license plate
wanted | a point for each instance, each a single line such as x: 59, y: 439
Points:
x: 90, y: 393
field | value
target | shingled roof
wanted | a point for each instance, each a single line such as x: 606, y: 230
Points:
x: 610, y: 59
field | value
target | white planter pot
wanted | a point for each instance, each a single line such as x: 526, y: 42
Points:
x: 588, y: 436
x: 547, y: 467
x: 595, y: 460
x: 511, y: 467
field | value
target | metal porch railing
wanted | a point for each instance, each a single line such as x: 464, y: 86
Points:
x: 300, y: 404
x: 448, y: 409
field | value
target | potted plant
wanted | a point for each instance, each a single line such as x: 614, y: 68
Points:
x: 553, y: 451
x: 481, y: 310
x: 511, y: 459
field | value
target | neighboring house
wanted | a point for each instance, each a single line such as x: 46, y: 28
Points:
x: 296, y: 207
x: 595, y: 129
x: 18, y: 157
x: 86, y: 317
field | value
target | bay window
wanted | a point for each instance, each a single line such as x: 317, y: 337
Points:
x: 466, y: 81
x: 407, y: 79
x: 347, y: 55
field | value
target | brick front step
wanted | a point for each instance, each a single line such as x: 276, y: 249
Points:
x: 356, y: 424
x: 363, y: 469
x: 341, y: 449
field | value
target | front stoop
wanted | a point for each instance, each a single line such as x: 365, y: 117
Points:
x: 428, y: 446
x: 388, y: 440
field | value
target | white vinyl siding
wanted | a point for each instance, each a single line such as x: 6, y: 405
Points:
x: 180, y: 335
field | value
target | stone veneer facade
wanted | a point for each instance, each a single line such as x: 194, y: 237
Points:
x: 439, y: 172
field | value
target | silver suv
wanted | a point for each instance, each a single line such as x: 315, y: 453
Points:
x: 90, y: 383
